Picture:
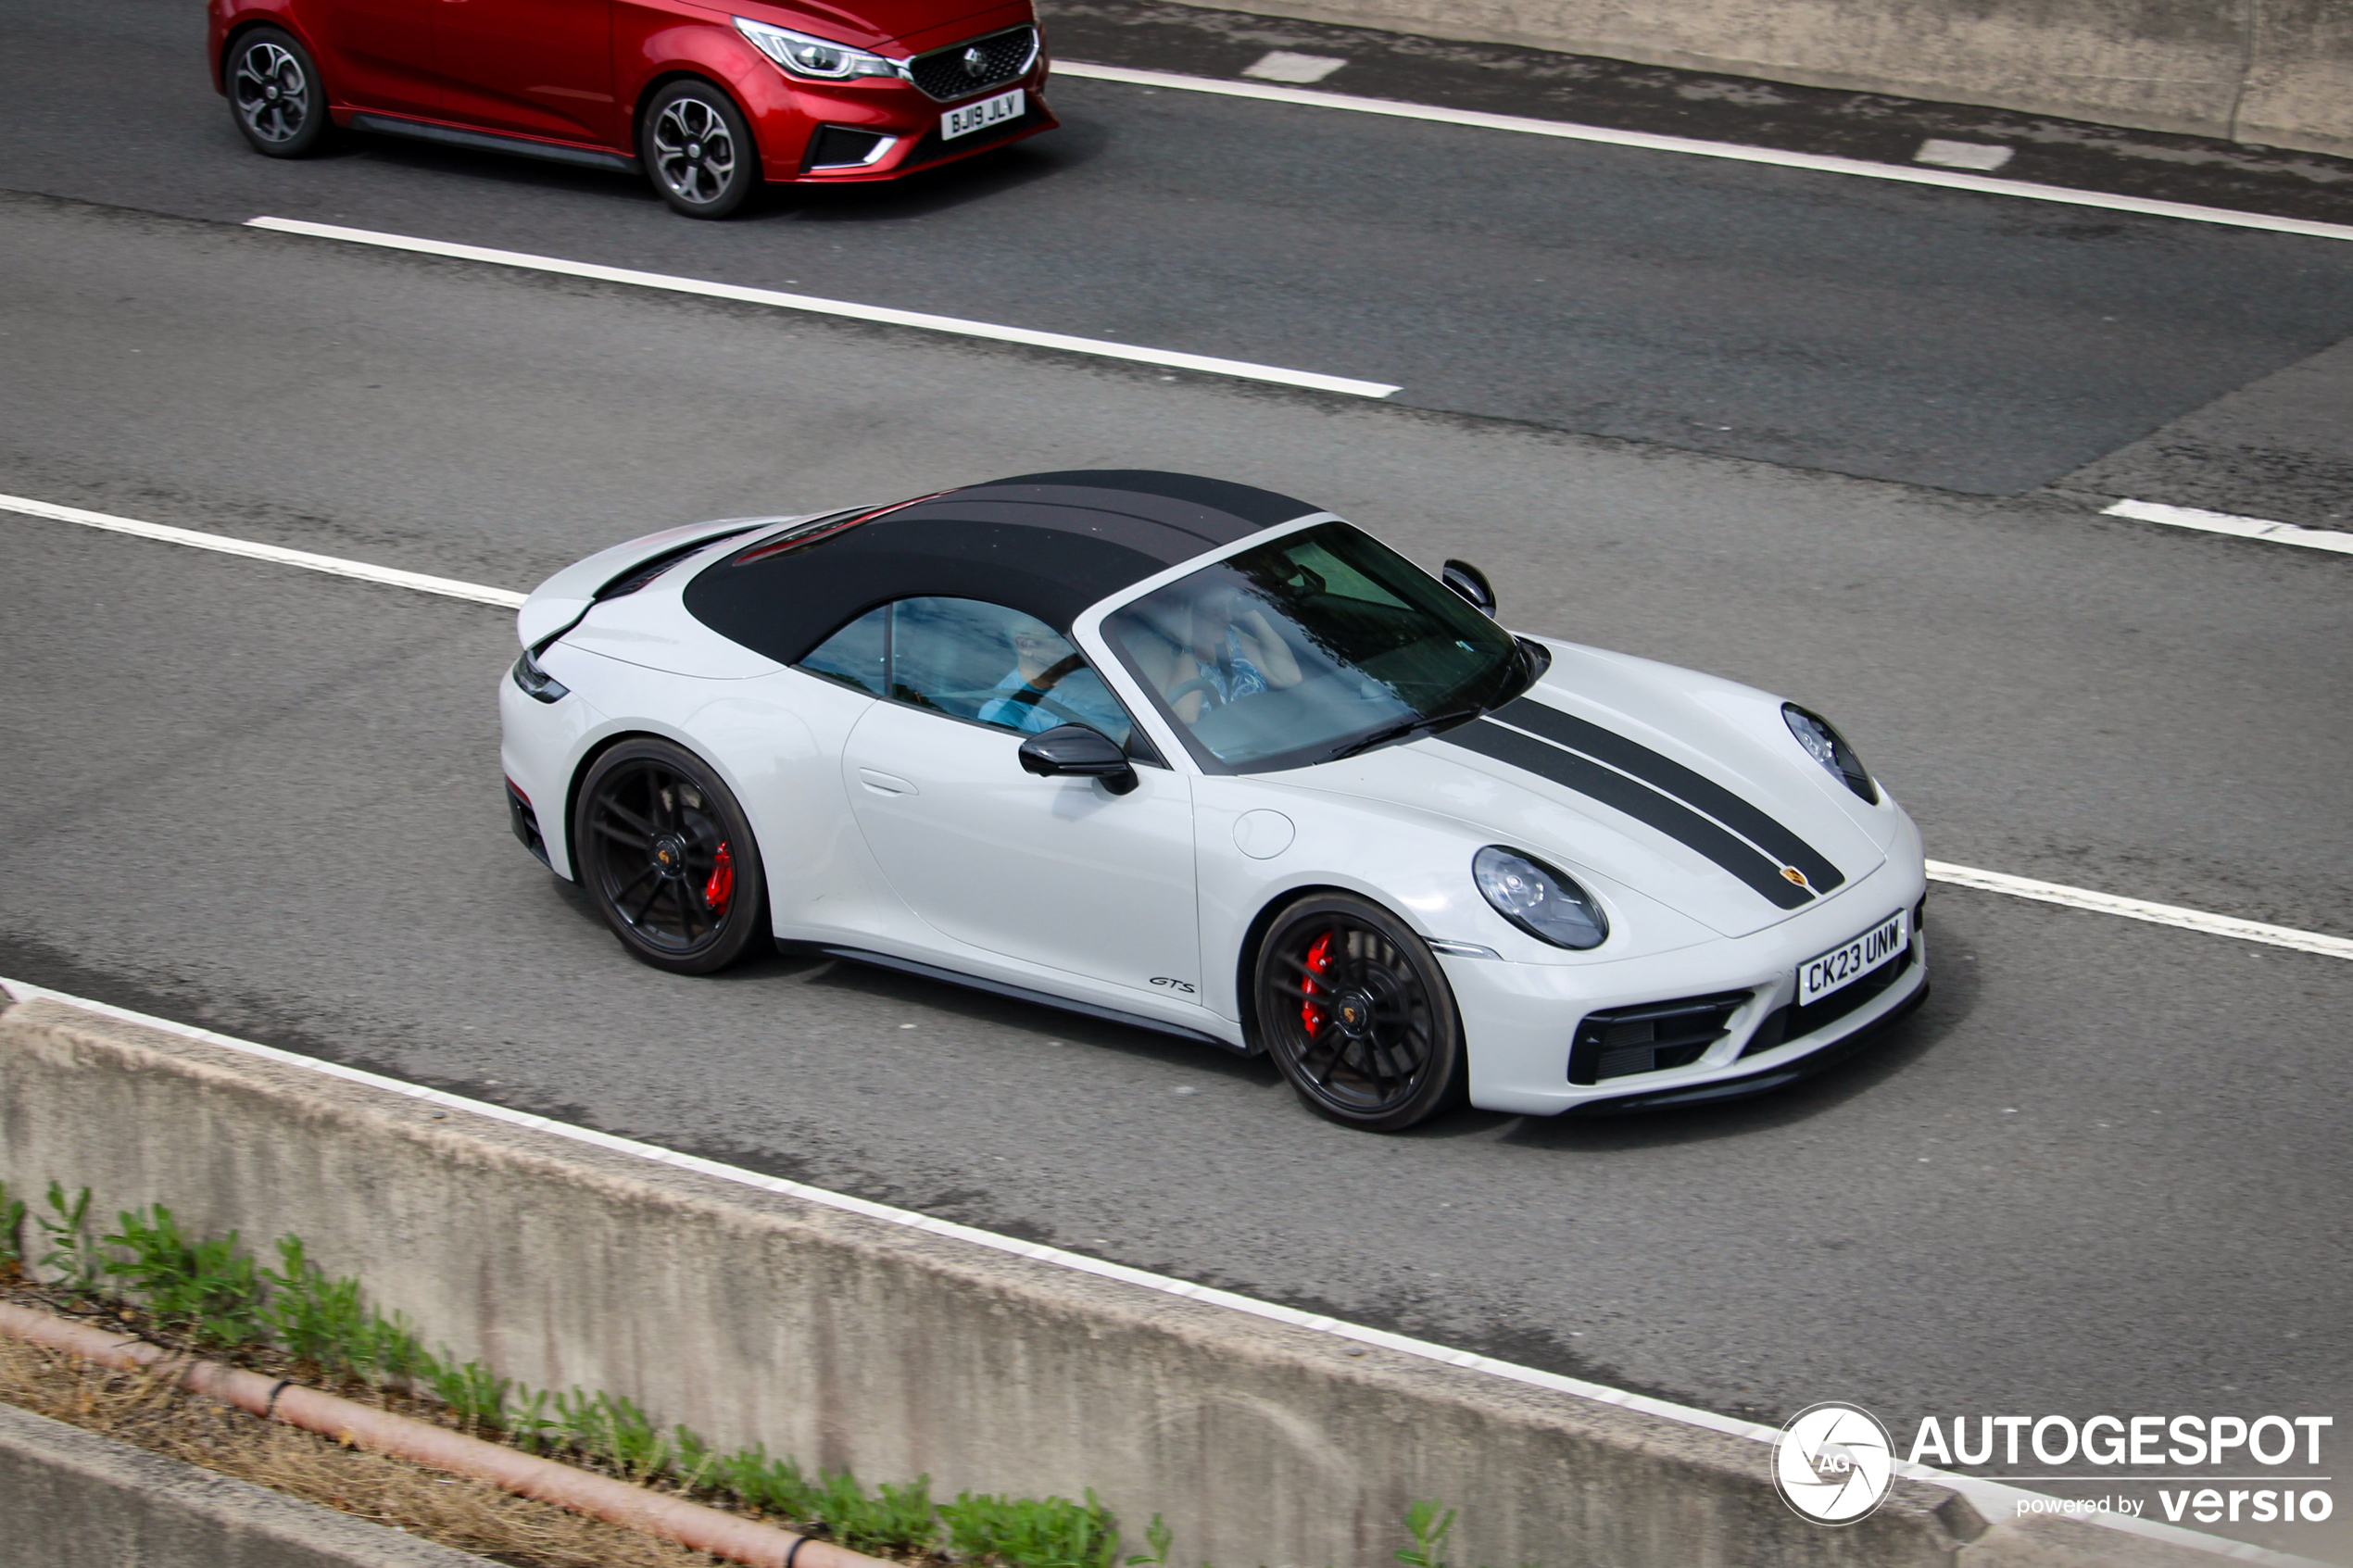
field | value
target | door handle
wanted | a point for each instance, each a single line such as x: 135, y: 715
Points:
x: 885, y: 783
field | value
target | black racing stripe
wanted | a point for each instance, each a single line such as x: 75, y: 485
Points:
x: 1692, y: 789
x: 1637, y: 800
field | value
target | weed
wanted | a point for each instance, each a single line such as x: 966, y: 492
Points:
x: 1157, y: 1535
x: 900, y: 1516
x: 477, y: 1399
x: 529, y: 1426
x: 71, y: 1254
x: 202, y: 1289
x: 11, y: 1232
x: 692, y: 1460
x: 613, y: 1430
x: 318, y: 1320
x: 1032, y: 1532
x: 772, y: 1485
x: 1427, y: 1522
x: 391, y: 1352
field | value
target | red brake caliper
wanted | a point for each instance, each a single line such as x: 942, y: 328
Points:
x: 722, y: 886
x: 1319, y: 961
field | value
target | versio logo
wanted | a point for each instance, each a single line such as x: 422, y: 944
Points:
x: 1832, y: 1463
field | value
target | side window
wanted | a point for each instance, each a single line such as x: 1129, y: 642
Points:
x: 996, y: 665
x: 858, y: 654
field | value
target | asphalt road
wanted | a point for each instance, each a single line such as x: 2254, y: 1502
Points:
x: 2104, y: 1170
x: 1975, y: 343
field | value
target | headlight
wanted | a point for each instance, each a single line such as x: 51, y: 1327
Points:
x: 1539, y: 900
x: 1826, y: 745
x: 537, y: 681
x: 804, y: 56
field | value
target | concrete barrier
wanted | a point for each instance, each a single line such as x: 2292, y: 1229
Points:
x: 750, y: 1311
x: 71, y: 1498
x: 2299, y: 77
x: 2270, y: 71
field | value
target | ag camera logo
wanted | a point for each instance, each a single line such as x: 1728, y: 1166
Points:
x: 1832, y: 1463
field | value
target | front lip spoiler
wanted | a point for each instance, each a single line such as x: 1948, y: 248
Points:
x: 1721, y: 1089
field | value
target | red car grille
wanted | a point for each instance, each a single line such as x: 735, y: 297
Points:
x: 976, y: 65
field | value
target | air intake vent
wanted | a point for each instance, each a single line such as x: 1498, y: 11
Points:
x: 1623, y: 1041
x: 839, y: 146
x: 961, y: 70
x: 525, y: 821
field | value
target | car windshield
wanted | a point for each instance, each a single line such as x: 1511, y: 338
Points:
x: 1322, y: 643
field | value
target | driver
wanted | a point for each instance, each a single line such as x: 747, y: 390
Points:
x: 1043, y: 662
x: 1229, y: 652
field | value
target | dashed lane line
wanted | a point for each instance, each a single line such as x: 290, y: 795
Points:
x: 507, y: 598
x: 334, y: 566
x: 1906, y: 174
x: 2230, y: 522
x: 2141, y: 910
x: 1100, y: 348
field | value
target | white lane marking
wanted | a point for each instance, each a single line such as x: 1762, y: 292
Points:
x: 1993, y: 1499
x: 2228, y: 522
x: 1983, y: 157
x: 1938, y: 870
x: 337, y: 566
x: 1281, y: 65
x: 2138, y: 908
x: 1823, y: 162
x: 1098, y: 347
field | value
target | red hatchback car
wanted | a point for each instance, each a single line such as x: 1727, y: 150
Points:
x: 708, y: 104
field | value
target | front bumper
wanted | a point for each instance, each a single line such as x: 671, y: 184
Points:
x: 873, y: 127
x: 1520, y: 1020
x: 1804, y: 1057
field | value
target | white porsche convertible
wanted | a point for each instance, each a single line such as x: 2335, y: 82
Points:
x: 1208, y: 759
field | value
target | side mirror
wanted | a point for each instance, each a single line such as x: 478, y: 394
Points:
x: 1471, y: 583
x: 1074, y: 751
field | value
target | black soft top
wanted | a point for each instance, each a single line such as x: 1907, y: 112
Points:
x: 1049, y: 545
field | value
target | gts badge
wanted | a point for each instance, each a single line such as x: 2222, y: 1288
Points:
x: 1181, y: 987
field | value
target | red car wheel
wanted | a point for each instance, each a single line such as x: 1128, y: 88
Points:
x: 274, y: 90
x: 698, y: 150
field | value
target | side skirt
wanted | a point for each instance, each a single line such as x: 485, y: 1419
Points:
x: 1024, y: 993
x: 488, y: 141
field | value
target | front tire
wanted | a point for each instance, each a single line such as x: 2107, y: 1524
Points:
x: 1355, y: 1011
x: 275, y: 93
x: 698, y: 151
x: 667, y: 857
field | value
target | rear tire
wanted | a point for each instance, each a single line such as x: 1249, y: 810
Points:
x: 1355, y: 1011
x: 275, y: 93
x: 667, y: 857
x: 697, y: 149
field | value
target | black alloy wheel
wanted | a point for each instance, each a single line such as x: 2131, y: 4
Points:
x: 1357, y: 1012
x: 668, y: 857
x: 274, y: 90
x: 699, y: 150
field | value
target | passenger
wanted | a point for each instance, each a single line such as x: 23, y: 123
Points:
x: 1230, y: 652
x: 1043, y: 663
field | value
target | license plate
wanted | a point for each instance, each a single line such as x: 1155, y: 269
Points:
x: 988, y: 111
x: 1849, y: 961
